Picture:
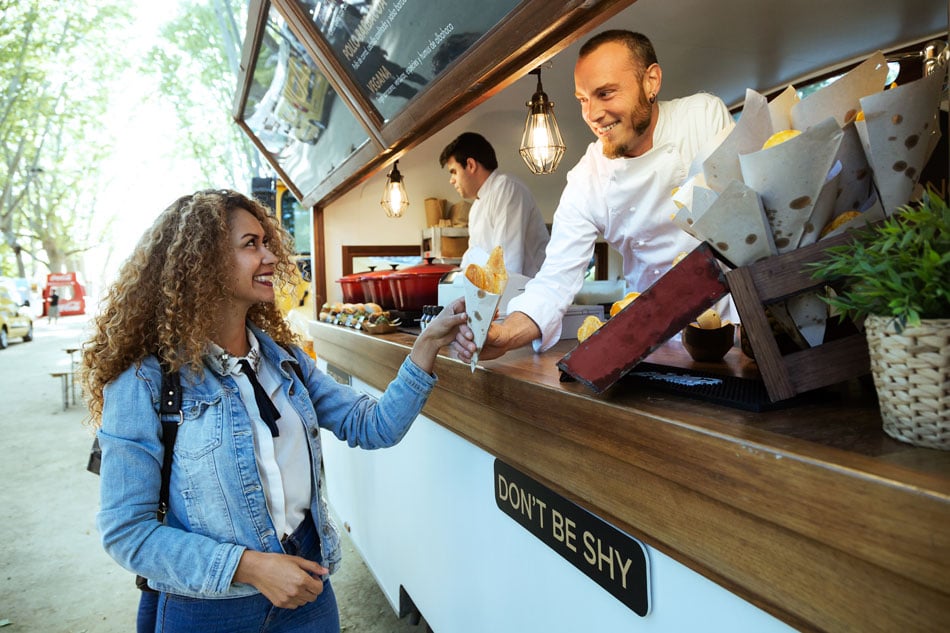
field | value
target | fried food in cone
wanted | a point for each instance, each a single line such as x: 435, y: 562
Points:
x: 493, y: 276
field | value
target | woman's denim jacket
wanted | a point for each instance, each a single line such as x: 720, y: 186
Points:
x: 217, y: 507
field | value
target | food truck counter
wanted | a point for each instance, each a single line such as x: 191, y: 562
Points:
x: 807, y: 511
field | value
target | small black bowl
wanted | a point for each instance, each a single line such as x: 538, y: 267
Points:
x: 708, y: 346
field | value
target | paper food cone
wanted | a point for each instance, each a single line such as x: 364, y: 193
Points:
x: 871, y: 214
x: 751, y: 131
x: 824, y: 207
x: 810, y: 314
x: 736, y: 226
x: 480, y: 306
x: 780, y: 109
x: 855, y: 181
x: 789, y: 178
x: 693, y: 199
x: 899, y: 132
x: 840, y: 99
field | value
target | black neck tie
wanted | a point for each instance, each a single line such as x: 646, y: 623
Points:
x: 269, y: 412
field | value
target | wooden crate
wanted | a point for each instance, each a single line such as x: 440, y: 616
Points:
x: 776, y: 279
x: 444, y: 242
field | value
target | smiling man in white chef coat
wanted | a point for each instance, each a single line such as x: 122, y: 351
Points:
x: 620, y: 188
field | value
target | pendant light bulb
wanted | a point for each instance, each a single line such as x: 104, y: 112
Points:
x: 541, y: 146
x: 394, y: 200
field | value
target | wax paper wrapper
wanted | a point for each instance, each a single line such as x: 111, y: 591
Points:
x: 736, y: 226
x: 854, y: 184
x: 899, y: 133
x: 789, y: 177
x: 871, y: 212
x: 840, y: 100
x: 692, y: 200
x: 751, y: 131
x: 480, y: 306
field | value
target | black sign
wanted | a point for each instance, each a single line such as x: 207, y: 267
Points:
x: 395, y: 48
x: 613, y: 560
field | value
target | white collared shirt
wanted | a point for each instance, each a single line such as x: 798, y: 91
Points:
x: 505, y: 214
x: 283, y: 462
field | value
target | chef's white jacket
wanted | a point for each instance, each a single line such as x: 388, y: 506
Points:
x: 628, y: 201
x: 505, y: 214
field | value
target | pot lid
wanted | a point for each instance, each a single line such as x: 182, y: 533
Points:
x: 353, y: 276
x: 378, y: 273
x: 426, y: 269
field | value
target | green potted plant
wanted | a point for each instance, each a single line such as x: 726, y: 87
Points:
x: 896, y: 277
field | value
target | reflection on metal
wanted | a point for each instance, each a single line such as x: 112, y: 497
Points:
x: 541, y: 146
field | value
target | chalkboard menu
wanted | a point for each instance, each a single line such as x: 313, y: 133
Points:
x: 295, y: 113
x: 394, y: 48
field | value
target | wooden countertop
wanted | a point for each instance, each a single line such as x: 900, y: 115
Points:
x: 810, y: 512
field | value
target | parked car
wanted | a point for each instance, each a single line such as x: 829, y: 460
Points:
x: 15, y: 319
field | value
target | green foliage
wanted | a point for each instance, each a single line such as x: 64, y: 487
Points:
x: 899, y: 267
x: 197, y: 66
x: 57, y: 68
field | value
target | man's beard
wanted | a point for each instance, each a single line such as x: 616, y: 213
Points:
x: 640, y: 120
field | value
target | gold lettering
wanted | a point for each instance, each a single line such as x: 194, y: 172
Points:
x: 380, y: 78
x: 624, y: 568
x: 563, y: 529
x: 589, y: 555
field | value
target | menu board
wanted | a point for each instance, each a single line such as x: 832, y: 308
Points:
x: 395, y: 48
x: 294, y: 111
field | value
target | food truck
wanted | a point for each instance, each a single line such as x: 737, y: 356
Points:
x: 524, y: 501
x: 72, y: 295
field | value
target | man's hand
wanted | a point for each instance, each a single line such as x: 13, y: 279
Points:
x: 515, y: 331
x: 287, y: 581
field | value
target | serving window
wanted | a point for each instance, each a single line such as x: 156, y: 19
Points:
x: 333, y: 90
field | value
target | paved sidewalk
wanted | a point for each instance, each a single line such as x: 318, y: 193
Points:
x: 55, y: 577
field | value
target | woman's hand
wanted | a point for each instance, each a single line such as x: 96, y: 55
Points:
x: 439, y: 332
x: 287, y: 581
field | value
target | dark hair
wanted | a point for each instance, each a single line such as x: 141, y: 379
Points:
x: 470, y: 145
x: 639, y: 45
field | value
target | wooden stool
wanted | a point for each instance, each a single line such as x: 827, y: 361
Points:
x: 65, y: 378
x: 72, y: 369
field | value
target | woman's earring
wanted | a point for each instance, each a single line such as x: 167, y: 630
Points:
x: 653, y: 98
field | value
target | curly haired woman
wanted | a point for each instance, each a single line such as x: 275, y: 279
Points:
x: 247, y: 544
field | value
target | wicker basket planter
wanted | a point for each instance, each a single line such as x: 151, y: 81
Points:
x: 911, y: 373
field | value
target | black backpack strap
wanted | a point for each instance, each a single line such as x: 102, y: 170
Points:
x: 170, y: 414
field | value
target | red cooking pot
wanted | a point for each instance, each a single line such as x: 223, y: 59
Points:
x: 376, y: 287
x: 413, y: 288
x: 352, y: 288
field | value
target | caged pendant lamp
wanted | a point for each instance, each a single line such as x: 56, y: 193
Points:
x: 541, y: 146
x: 394, y: 200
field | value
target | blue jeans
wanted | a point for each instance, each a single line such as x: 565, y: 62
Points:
x: 255, y: 613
